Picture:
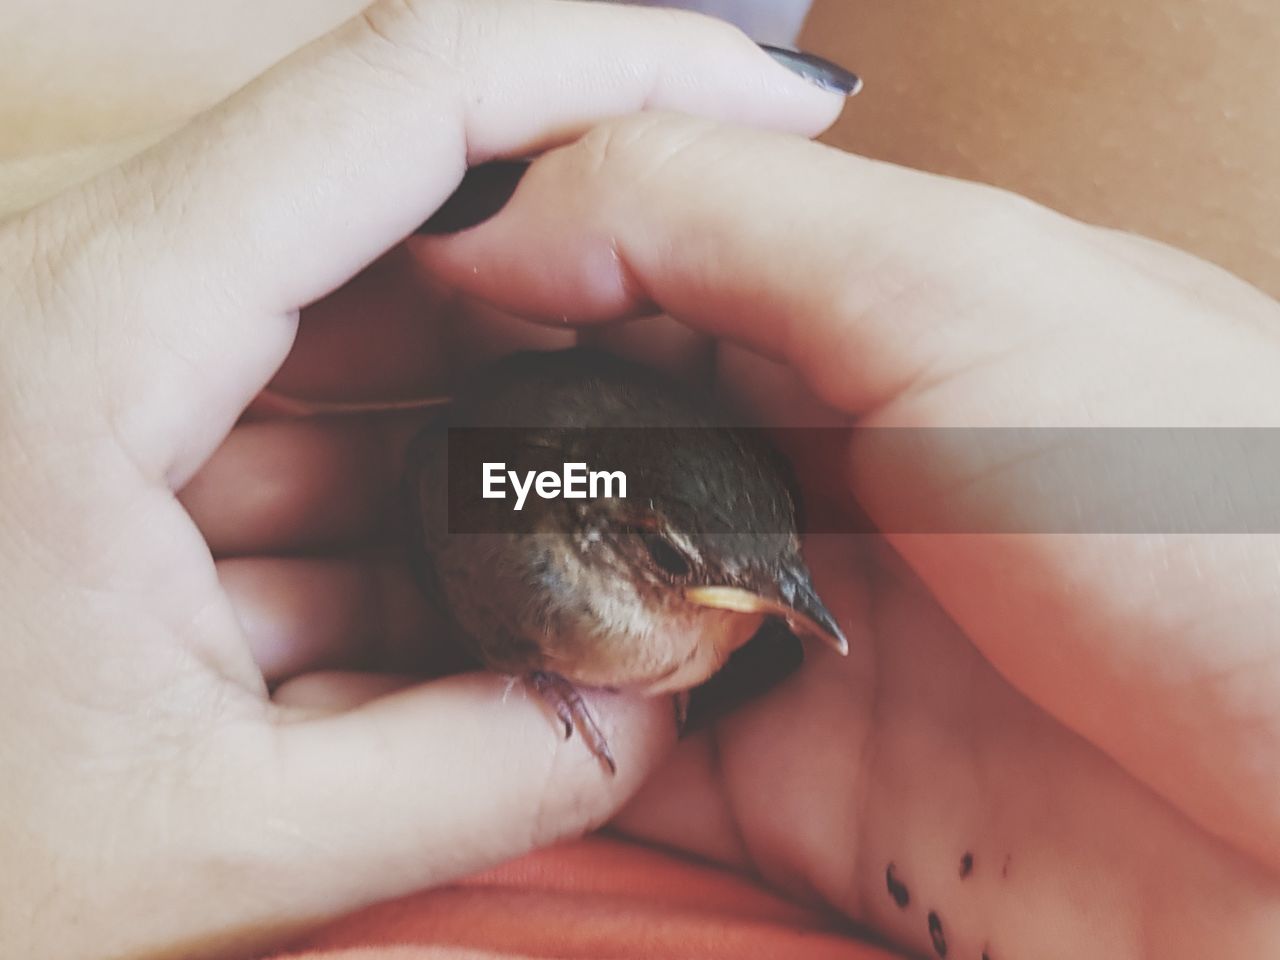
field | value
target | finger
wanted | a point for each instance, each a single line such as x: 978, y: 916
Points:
x: 380, y: 336
x: 476, y: 333
x: 772, y: 393
x: 293, y: 184
x: 686, y: 805
x: 440, y: 780
x: 300, y: 616
x: 281, y: 486
x: 733, y: 232
x: 389, y: 334
x: 332, y: 691
x: 658, y: 342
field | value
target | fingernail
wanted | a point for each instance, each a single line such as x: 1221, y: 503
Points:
x: 485, y: 189
x: 821, y: 73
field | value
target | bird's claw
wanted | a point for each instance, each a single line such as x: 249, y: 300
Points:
x: 680, y: 702
x: 572, y: 711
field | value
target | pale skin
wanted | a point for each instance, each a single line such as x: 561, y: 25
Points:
x: 159, y: 800
x: 1103, y: 739
x: 1058, y: 706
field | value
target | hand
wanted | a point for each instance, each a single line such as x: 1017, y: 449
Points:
x: 1065, y: 745
x: 158, y: 800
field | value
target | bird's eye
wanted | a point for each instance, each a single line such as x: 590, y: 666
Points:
x: 666, y: 556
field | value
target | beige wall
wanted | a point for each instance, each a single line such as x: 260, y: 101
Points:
x: 83, y: 84
x: 1161, y: 116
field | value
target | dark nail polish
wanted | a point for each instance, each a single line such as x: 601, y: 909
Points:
x: 819, y: 72
x: 485, y: 189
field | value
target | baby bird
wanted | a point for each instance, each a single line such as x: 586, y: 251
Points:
x: 650, y: 592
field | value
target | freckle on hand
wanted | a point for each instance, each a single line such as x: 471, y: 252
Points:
x: 966, y: 865
x: 936, y: 935
x: 897, y: 889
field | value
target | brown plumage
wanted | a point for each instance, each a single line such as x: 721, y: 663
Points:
x: 650, y: 593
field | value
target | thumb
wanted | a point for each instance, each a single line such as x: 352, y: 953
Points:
x: 180, y: 272
x: 430, y: 783
x: 861, y: 275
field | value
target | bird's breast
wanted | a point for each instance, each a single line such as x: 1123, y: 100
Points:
x: 654, y: 652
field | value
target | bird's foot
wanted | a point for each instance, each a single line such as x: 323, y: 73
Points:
x: 572, y: 711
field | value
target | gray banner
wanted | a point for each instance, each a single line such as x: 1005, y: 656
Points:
x: 907, y: 481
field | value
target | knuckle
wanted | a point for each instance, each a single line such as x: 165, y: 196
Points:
x: 438, y: 32
x: 33, y: 315
x: 698, y: 29
x: 1006, y: 214
x: 647, y: 146
x: 64, y: 318
x: 995, y: 224
x: 967, y: 245
x: 973, y: 244
x: 75, y: 260
x: 437, y: 48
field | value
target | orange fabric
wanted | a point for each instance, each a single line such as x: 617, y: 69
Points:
x: 594, y: 898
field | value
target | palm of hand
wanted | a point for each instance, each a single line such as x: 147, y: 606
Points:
x: 917, y: 791
x: 915, y: 760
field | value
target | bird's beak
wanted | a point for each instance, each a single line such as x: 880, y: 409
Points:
x: 792, y: 598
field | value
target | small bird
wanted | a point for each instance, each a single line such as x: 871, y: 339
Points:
x: 650, y: 592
